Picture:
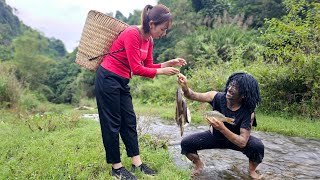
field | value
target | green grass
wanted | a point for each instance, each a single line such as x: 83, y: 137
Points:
x: 289, y: 126
x: 71, y: 150
x: 59, y: 145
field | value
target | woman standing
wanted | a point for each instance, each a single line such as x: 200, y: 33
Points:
x: 113, y: 93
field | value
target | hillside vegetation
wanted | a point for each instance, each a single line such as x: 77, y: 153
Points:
x: 276, y: 41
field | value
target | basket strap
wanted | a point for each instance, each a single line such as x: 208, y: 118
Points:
x: 108, y: 53
x: 121, y: 62
x: 119, y: 50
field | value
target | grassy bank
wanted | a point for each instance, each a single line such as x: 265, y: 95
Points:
x: 289, y: 126
x: 62, y: 146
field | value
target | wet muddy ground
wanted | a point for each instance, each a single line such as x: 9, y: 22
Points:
x: 285, y: 157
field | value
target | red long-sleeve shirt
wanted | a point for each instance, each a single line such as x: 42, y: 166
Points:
x: 137, y: 55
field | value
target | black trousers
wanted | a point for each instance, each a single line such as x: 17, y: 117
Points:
x: 254, y: 149
x: 116, y: 114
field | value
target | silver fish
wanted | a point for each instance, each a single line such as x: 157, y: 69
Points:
x: 218, y: 116
x: 182, y: 111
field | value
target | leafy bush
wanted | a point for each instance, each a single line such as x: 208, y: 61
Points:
x: 292, y: 45
x: 209, y: 46
x: 49, y: 122
x: 29, y: 102
x: 10, y: 88
x: 160, y: 90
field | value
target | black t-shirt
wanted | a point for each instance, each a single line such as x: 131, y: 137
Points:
x: 242, y: 116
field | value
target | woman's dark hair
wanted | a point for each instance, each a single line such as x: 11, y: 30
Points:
x: 158, y: 14
x: 248, y: 88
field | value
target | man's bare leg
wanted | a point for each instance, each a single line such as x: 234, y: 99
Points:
x: 252, y: 170
x: 195, y: 159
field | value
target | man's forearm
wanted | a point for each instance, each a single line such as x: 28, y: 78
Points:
x: 188, y: 93
x: 236, y: 139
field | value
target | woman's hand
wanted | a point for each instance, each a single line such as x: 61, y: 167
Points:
x: 218, y: 125
x: 174, y: 63
x: 169, y: 71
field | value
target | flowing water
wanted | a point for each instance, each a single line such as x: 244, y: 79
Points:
x: 285, y: 157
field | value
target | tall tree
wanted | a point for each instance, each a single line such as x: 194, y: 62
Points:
x: 210, y: 7
x: 135, y: 18
x: 56, y: 47
x: 33, y: 66
x: 120, y: 16
x: 7, y: 17
x: 259, y: 9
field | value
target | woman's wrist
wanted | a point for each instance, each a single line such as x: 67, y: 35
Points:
x: 164, y: 64
x: 159, y: 70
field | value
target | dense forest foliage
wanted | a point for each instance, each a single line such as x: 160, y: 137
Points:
x: 277, y: 41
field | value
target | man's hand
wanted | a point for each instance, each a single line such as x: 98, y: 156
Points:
x: 188, y: 93
x: 239, y: 140
x: 218, y: 125
x: 182, y: 81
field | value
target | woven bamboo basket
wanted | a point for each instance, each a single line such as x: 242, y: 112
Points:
x: 98, y: 34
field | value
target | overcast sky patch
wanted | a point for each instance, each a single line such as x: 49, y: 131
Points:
x: 64, y: 19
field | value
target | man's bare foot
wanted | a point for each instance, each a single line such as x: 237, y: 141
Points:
x: 255, y: 175
x: 197, y: 168
x: 198, y: 164
x: 252, y: 170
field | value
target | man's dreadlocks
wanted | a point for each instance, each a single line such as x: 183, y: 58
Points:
x: 248, y: 88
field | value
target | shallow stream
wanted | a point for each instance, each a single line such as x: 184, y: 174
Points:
x: 285, y: 157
